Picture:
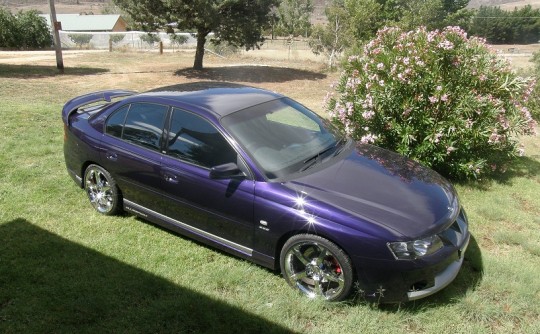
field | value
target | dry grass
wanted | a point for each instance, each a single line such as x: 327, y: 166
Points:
x: 140, y: 71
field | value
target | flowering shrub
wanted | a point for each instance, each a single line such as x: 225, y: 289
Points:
x: 436, y: 96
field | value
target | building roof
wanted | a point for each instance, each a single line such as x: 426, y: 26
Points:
x: 77, y: 22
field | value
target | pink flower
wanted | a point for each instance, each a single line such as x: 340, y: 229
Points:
x: 368, y: 139
x: 433, y: 99
x: 380, y: 66
x: 446, y: 45
x: 368, y: 114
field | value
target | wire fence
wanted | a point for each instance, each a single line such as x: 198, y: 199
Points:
x: 140, y: 40
x: 127, y: 39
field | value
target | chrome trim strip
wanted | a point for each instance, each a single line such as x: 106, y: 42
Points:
x: 444, y: 278
x: 189, y: 228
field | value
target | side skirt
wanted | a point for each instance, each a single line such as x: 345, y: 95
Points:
x: 199, y: 235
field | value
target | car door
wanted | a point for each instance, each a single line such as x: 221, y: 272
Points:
x: 131, y: 153
x: 221, y: 210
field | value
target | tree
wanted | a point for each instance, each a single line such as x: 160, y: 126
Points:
x: 178, y: 39
x: 519, y: 26
x: 26, y: 30
x: 434, y: 14
x: 80, y: 39
x: 116, y: 38
x: 150, y: 39
x: 332, y: 38
x: 33, y: 30
x: 294, y: 16
x: 364, y: 18
x: 237, y: 22
x: 8, y: 33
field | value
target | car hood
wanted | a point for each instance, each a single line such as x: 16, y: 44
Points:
x: 381, y: 187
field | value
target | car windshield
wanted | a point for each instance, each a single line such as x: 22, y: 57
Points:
x: 282, y: 136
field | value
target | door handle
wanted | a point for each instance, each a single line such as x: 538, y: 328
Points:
x: 171, y: 178
x: 111, y: 156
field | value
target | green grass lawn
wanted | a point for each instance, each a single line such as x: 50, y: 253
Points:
x: 66, y: 269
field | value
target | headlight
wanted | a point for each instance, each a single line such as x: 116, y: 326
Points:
x: 411, y: 250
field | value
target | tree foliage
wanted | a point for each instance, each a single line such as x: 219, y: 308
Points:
x: 25, y: 30
x: 331, y: 39
x: 177, y: 39
x: 150, y: 39
x: 80, y: 39
x: 520, y: 26
x: 359, y: 21
x: 294, y: 17
x: 8, y: 33
x: 237, y: 22
x: 437, y: 97
x: 116, y: 38
x: 433, y: 14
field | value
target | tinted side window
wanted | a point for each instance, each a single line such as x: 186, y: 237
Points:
x: 115, y: 123
x: 143, y: 124
x: 193, y: 139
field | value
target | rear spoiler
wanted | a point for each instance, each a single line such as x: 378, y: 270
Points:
x: 106, y: 95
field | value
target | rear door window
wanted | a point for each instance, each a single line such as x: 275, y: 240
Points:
x: 139, y: 123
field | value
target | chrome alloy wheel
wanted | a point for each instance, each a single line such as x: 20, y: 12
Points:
x: 316, y: 270
x: 101, y: 192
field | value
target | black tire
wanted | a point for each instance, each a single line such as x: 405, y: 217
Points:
x: 102, y: 190
x: 316, y: 267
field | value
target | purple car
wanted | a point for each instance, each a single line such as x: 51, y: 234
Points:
x: 258, y: 175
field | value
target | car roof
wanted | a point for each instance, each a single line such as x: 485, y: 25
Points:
x: 221, y: 98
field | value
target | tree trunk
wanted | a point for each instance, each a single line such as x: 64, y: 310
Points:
x: 199, y: 53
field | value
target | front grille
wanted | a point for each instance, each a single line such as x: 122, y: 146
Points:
x: 457, y: 232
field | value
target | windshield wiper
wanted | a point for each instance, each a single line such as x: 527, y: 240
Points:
x: 341, y: 143
x: 308, y: 163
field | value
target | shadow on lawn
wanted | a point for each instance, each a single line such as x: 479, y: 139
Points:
x: 39, y: 71
x: 525, y: 167
x: 247, y: 73
x: 50, y: 284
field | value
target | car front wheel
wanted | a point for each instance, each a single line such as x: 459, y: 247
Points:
x: 316, y: 267
x: 102, y: 190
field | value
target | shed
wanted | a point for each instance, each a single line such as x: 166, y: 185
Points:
x: 86, y: 23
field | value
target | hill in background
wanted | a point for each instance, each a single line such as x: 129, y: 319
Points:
x: 97, y: 6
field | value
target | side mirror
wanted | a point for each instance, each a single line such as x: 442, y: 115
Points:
x: 225, y: 171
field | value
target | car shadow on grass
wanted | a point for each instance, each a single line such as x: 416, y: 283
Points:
x: 40, y: 71
x: 250, y: 73
x: 468, y: 279
x: 49, y: 284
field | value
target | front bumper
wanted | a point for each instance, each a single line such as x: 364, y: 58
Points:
x: 388, y: 281
x: 442, y: 279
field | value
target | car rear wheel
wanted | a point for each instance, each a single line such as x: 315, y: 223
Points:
x: 102, y: 190
x: 316, y: 267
